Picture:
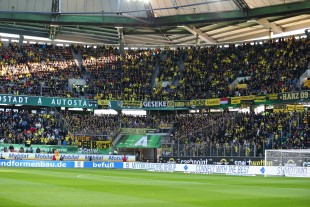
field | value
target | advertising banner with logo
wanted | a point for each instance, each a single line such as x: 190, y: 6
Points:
x: 43, y: 148
x: 31, y: 163
x: 47, y: 101
x: 139, y: 141
x: 197, y: 168
x: 106, y: 165
x: 253, y: 161
x: 71, y: 157
x: 60, y: 164
x: 205, y: 103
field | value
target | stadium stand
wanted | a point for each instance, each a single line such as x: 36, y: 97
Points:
x: 195, y: 73
x: 168, y: 74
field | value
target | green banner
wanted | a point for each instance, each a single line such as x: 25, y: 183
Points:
x: 47, y: 101
x: 139, y: 141
x: 43, y: 148
x: 289, y: 97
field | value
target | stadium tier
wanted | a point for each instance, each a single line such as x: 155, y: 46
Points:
x: 181, y: 74
x: 168, y: 82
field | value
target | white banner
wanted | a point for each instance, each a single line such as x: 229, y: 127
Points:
x: 245, y: 170
x: 290, y: 171
x: 75, y: 157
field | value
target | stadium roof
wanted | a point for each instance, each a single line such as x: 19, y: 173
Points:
x: 153, y: 22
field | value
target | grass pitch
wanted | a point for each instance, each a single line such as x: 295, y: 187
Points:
x: 41, y: 187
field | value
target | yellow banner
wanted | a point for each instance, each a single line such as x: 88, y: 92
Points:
x: 132, y: 104
x: 295, y: 107
x: 103, y: 102
x: 252, y: 97
x: 102, y: 144
x: 260, y: 99
x: 273, y: 96
x: 242, y: 86
x: 290, y: 107
x: 235, y: 100
x: 213, y: 102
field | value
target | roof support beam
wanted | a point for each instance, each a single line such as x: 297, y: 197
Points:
x: 200, y: 34
x: 243, y: 6
x: 272, y: 26
x: 120, y: 32
x: 246, y: 37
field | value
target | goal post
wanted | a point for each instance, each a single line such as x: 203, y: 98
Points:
x: 284, y: 162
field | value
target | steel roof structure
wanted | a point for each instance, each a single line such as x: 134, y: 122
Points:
x: 153, y: 22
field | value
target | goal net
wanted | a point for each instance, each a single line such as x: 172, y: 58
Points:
x: 294, y: 163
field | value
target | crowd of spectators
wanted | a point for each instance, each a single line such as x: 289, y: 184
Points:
x: 231, y: 131
x: 193, y: 73
x: 192, y: 134
x: 272, y: 66
x: 103, y: 68
x: 34, y: 69
x: 112, y: 124
x: 31, y: 128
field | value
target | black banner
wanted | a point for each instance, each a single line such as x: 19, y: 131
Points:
x: 300, y: 95
x: 252, y: 161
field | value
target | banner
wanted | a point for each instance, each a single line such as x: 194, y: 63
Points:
x: 252, y: 97
x: 47, y: 101
x: 136, y: 130
x: 200, y: 103
x: 213, y: 102
x: 273, y: 96
x: 94, y: 147
x: 66, y: 157
x: 157, y: 104
x: 181, y: 104
x: 106, y: 165
x: 246, y: 103
x: 104, y: 103
x: 101, y: 144
x: 260, y: 99
x: 252, y: 161
x: 295, y: 107
x: 132, y: 104
x: 279, y: 108
x: 139, y: 141
x: 204, y: 103
x: 235, y: 100
x: 43, y: 148
x: 165, y: 126
x: 294, y: 95
x: 31, y: 163
x: 60, y: 164
x: 242, y: 86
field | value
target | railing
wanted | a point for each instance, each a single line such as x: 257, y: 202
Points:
x: 61, y: 122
